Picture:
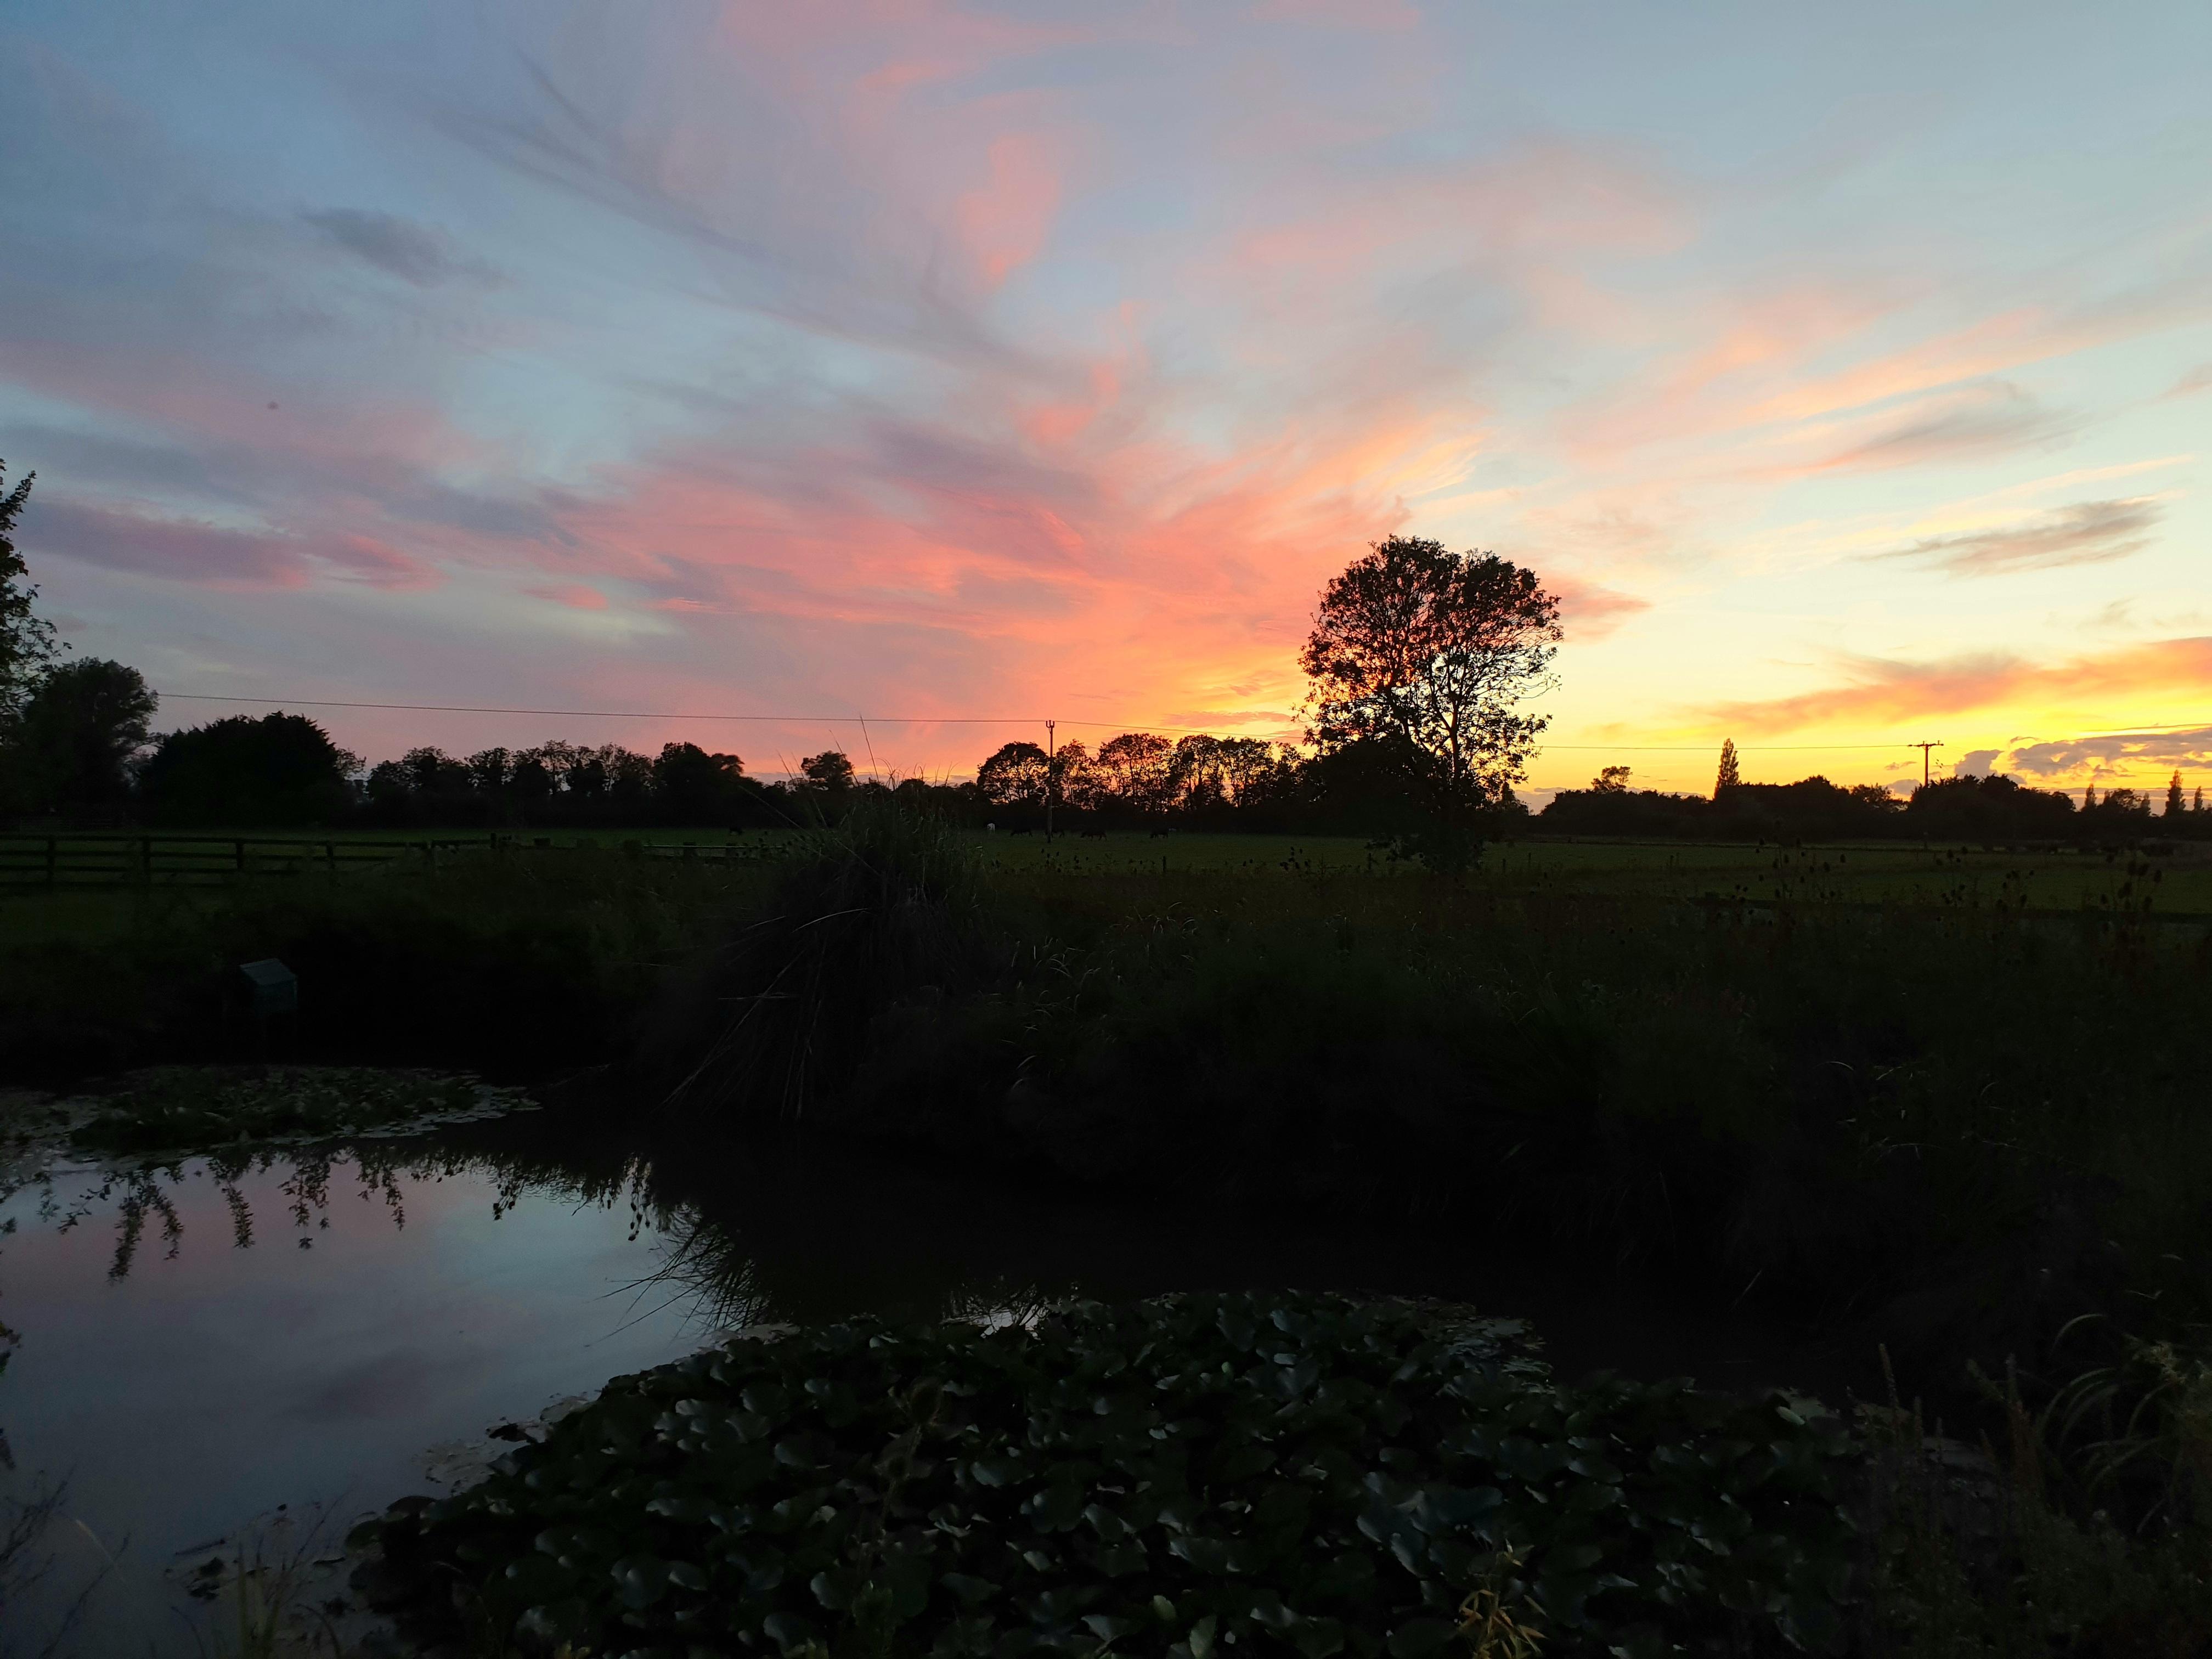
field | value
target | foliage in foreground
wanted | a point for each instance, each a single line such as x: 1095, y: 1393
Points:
x: 1963, y: 1128
x: 1297, y: 1473
x: 2095, y: 1541
x: 170, y: 1107
x: 515, y: 965
x: 772, y: 1017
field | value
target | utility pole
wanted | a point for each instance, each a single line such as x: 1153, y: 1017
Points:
x: 1924, y: 748
x: 1051, y: 783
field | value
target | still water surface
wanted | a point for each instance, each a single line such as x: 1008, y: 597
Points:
x: 197, y: 1345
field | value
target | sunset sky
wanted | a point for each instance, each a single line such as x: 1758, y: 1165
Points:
x: 1847, y: 369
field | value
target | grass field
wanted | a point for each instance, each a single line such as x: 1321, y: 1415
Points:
x: 2177, y: 884
x: 2180, y: 883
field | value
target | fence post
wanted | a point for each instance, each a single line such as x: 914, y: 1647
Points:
x: 239, y: 855
x: 331, y: 859
x: 146, y: 860
x: 53, y: 854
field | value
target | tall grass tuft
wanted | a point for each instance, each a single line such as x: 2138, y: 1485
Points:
x: 887, y: 903
x: 2060, y: 1546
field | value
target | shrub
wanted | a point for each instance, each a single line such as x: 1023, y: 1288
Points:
x: 1341, y: 1477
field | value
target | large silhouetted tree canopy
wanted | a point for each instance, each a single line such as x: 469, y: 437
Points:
x: 831, y: 771
x: 1430, y: 652
x: 84, y: 723
x: 695, y: 787
x: 1016, y: 774
x: 246, y: 773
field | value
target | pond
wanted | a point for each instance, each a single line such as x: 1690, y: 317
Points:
x: 197, y: 1345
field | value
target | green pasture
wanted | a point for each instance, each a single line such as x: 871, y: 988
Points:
x: 2175, y: 882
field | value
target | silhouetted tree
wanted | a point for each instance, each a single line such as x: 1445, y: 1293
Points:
x: 1598, y: 811
x: 26, y: 639
x: 2173, y: 800
x: 695, y: 786
x: 1731, y: 775
x: 1993, y: 808
x: 1368, y: 786
x: 279, y: 770
x: 84, y: 723
x: 1016, y: 774
x: 586, y: 780
x: 433, y: 776
x: 2122, y: 815
x: 831, y: 771
x: 1612, y: 781
x: 489, y: 770
x: 531, y: 780
x: 1247, y: 765
x: 1196, y: 783
x: 1074, y: 777
x: 1134, y: 772
x: 629, y: 778
x: 1433, y: 650
x: 389, y: 790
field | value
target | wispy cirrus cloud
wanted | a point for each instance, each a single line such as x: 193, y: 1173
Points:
x: 1590, y: 611
x: 2085, y: 532
x: 1877, y: 691
x: 1982, y: 421
x: 190, y: 551
x: 417, y: 253
x: 575, y: 596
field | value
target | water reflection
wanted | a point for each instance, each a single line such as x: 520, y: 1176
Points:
x: 201, y: 1342
x: 301, y: 1180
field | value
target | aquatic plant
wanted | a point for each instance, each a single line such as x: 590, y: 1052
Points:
x: 167, y: 1107
x: 27, y: 1517
x: 267, y: 1591
x: 1178, y: 1476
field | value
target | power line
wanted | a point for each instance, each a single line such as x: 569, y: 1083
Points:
x: 861, y: 721
x: 610, y: 713
x: 919, y: 719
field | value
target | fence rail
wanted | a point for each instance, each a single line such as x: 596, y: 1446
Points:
x: 31, y: 862
x: 37, y: 862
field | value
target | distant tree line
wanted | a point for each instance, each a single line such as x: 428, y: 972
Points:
x: 1994, y: 810
x: 1418, y: 660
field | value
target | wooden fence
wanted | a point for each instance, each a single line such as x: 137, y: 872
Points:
x: 31, y: 862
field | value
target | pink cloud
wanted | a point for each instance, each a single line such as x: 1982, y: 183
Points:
x: 1004, y: 221
x: 574, y: 595
x: 1590, y: 611
x: 375, y: 562
x: 175, y: 549
x: 192, y: 551
x: 1394, y: 16
x: 1887, y: 691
